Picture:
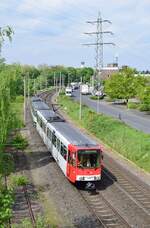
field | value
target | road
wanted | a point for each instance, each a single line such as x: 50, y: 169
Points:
x: 133, y: 118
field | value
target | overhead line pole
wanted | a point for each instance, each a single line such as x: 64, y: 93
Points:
x: 99, y: 44
x: 24, y: 99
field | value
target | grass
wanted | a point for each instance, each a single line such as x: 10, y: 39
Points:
x: 17, y: 108
x: 132, y: 144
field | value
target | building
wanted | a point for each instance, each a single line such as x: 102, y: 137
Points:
x: 107, y: 71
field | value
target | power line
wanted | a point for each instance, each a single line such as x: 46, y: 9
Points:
x: 99, y: 44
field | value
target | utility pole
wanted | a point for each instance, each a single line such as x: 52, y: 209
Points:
x: 99, y: 44
x: 46, y: 81
x: 80, y: 110
x: 60, y: 81
x: 34, y: 86
x: 99, y: 47
x: 28, y: 77
x: 24, y: 99
x: 55, y: 82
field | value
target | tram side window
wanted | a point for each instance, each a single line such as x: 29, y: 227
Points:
x: 38, y: 119
x: 58, y: 144
x: 49, y: 134
x: 43, y: 126
x: 63, y: 151
x: 54, y: 139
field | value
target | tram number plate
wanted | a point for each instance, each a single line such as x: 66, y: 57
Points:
x: 90, y: 178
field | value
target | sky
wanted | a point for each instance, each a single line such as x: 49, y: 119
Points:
x: 52, y: 31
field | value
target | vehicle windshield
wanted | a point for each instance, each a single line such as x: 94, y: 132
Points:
x: 88, y: 158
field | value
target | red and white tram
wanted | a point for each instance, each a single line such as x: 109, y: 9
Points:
x: 79, y: 157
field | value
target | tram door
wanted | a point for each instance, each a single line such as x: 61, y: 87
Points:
x: 71, y: 167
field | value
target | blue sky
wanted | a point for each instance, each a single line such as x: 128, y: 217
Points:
x: 51, y: 31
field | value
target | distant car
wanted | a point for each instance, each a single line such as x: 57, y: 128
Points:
x: 74, y: 85
x: 68, y: 91
x: 99, y: 94
x: 85, y: 89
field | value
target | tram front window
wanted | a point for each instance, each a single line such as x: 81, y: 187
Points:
x: 88, y: 159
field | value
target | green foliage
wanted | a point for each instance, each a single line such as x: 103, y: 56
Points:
x: 129, y: 142
x: 40, y: 223
x: 144, y: 96
x: 121, y: 85
x: 6, y: 201
x: 19, y: 142
x: 144, y: 107
x: 133, y: 105
x: 6, y: 164
x: 20, y: 180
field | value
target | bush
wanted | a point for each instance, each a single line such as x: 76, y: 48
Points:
x: 20, y: 180
x: 6, y: 201
x: 19, y: 142
x: 133, y: 105
x: 144, y: 107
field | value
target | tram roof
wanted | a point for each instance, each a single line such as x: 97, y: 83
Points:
x: 51, y: 116
x: 40, y: 105
x: 74, y: 136
x: 36, y: 99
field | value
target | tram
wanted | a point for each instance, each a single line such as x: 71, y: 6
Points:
x: 79, y: 157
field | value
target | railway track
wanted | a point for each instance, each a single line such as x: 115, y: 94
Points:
x: 133, y: 190
x: 106, y: 214
x: 24, y: 207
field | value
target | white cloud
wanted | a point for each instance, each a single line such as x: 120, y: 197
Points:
x: 60, y: 24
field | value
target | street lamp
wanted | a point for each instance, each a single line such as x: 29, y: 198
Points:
x: 80, y: 110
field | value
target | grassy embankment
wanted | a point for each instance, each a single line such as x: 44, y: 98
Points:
x: 132, y: 144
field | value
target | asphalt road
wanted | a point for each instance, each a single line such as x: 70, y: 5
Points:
x: 133, y: 118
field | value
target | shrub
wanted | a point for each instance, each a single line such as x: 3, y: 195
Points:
x: 20, y: 180
x: 19, y: 142
x: 144, y: 107
x: 133, y: 105
x: 6, y: 201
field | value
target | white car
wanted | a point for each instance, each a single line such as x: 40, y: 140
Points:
x: 99, y: 93
x: 68, y: 91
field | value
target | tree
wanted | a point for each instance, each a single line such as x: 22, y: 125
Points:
x: 144, y: 96
x: 121, y: 85
x: 5, y: 32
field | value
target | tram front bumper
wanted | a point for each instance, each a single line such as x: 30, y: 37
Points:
x: 88, y: 178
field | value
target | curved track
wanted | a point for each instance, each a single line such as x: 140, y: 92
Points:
x: 106, y: 214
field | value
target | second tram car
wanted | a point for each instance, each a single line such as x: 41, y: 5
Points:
x: 79, y: 157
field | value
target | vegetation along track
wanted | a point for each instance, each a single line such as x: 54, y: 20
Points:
x: 26, y: 205
x: 107, y: 215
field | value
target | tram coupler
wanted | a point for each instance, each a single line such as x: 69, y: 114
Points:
x: 90, y: 186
